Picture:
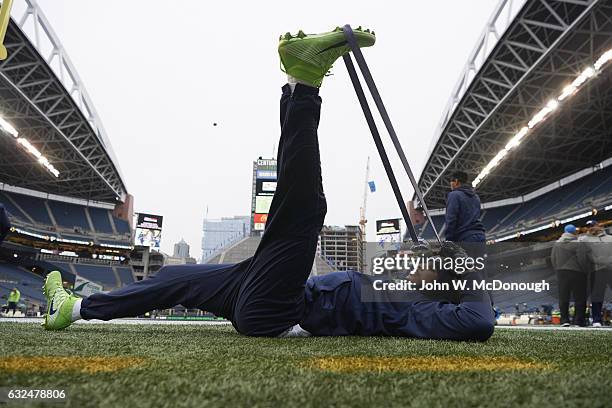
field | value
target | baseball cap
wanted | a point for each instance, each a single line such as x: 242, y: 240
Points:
x: 591, y: 223
x: 570, y: 229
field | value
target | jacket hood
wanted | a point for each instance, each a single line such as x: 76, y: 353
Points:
x: 566, y: 236
x: 467, y: 189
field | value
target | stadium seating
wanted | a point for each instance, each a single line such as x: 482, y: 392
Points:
x: 69, y: 215
x: 35, y: 207
x: 492, y: 216
x: 29, y: 284
x: 10, y: 207
x: 575, y: 197
x: 103, y: 275
x: 521, y: 212
x: 506, y: 301
x: 100, y: 220
x: 62, y: 266
x: 108, y: 242
x: 427, y: 232
x: 125, y: 275
x: 122, y: 226
x: 571, y: 198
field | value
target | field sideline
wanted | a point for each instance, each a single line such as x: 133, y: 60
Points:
x: 200, y: 365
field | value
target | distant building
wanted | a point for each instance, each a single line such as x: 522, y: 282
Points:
x: 181, y: 249
x: 246, y: 248
x: 176, y: 260
x: 220, y: 234
x: 342, y: 247
x: 146, y: 262
x: 181, y: 255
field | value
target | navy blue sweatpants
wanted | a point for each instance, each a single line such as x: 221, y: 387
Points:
x: 263, y: 295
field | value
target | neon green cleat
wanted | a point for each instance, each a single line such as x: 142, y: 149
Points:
x: 308, y: 57
x: 59, y: 303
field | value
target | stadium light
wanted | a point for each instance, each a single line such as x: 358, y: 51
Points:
x: 39, y: 157
x: 29, y: 233
x: 25, y: 143
x: 576, y: 217
x: 606, y: 57
x: 567, y: 92
x: 516, y: 139
x: 7, y: 127
x: 544, y: 113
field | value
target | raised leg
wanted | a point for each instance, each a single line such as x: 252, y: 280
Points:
x: 271, y: 296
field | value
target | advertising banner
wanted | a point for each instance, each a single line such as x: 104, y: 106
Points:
x: 390, y: 226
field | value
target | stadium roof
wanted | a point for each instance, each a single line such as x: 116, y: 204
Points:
x: 547, y: 45
x: 61, y: 146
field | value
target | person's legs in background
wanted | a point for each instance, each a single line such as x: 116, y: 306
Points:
x: 578, y: 283
x: 564, y: 285
x: 599, y: 282
x: 12, y: 306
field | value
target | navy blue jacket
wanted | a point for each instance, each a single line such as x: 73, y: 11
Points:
x: 5, y: 225
x: 335, y: 307
x: 463, y: 215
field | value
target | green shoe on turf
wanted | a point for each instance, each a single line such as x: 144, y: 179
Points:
x: 59, y: 303
x: 308, y: 57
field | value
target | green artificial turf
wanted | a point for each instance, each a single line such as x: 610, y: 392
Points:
x: 200, y: 365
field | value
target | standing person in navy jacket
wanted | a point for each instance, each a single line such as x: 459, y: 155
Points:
x: 463, y: 211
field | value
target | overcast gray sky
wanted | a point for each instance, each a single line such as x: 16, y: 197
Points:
x: 160, y: 78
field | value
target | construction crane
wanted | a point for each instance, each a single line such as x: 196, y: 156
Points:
x: 362, y: 210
